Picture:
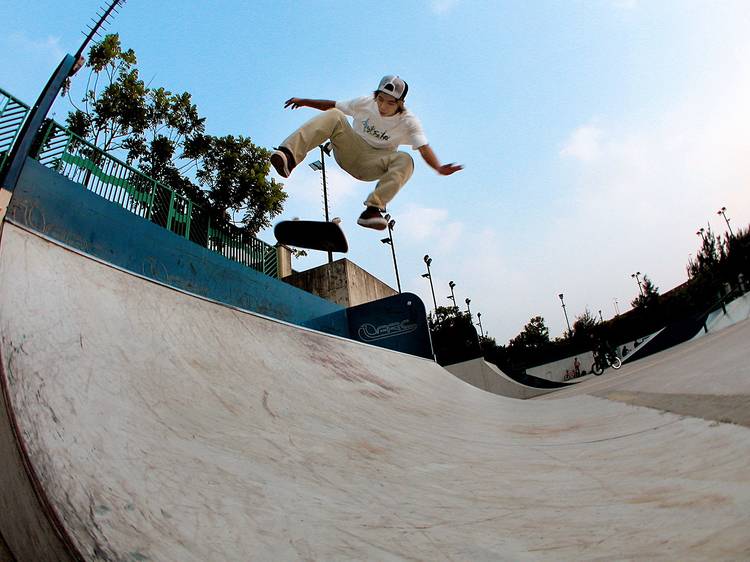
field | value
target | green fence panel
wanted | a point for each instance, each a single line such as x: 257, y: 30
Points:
x: 13, y: 113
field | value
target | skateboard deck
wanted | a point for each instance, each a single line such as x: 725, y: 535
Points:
x: 313, y: 235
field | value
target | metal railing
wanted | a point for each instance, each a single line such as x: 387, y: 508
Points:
x: 116, y: 181
x: 13, y: 112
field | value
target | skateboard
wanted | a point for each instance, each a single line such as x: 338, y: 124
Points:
x: 313, y: 235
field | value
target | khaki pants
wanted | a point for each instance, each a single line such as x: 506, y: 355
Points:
x: 392, y: 169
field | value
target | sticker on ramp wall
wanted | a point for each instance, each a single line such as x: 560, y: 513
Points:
x: 369, y: 332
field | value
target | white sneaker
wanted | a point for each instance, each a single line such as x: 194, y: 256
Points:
x: 371, y: 217
x: 283, y: 161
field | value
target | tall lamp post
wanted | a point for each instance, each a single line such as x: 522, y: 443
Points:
x: 389, y: 240
x: 428, y: 275
x: 468, y: 310
x: 452, y: 295
x: 479, y: 319
x: 702, y: 233
x: 320, y: 165
x: 567, y: 322
x: 617, y: 307
x: 638, y: 280
x: 723, y: 213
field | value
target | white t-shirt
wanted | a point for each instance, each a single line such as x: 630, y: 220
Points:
x: 383, y: 132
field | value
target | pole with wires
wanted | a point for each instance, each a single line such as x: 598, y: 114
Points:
x: 26, y: 136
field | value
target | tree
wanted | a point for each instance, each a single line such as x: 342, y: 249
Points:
x: 493, y: 353
x: 114, y: 105
x: 737, y: 261
x: 584, y: 325
x: 235, y: 171
x: 534, y: 336
x: 160, y: 148
x: 163, y: 134
x: 649, y: 295
x: 709, y: 254
x: 454, y: 337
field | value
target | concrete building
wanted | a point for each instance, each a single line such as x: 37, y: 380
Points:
x: 342, y: 282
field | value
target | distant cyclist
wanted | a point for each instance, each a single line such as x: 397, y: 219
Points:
x: 604, y: 355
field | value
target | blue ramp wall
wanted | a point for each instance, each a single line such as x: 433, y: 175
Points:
x: 64, y: 210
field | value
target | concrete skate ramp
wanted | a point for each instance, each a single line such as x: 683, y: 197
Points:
x: 734, y: 311
x: 484, y: 375
x: 154, y: 425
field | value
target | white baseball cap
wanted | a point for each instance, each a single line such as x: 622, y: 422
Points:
x: 393, y: 86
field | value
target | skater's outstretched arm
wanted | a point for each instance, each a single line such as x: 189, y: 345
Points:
x: 322, y: 105
x: 432, y: 161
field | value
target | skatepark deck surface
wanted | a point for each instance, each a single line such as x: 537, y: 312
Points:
x: 145, y: 423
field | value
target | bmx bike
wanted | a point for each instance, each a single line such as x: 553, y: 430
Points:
x: 602, y: 361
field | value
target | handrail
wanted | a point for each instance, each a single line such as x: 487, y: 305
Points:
x: 13, y: 113
x: 14, y: 98
x: 720, y: 302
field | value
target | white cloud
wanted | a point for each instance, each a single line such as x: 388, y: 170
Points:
x: 305, y: 189
x: 583, y: 144
x: 425, y: 223
x: 443, y: 6
x: 48, y: 48
x: 625, y: 4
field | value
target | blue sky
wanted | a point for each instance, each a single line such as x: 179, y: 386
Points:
x: 597, y: 135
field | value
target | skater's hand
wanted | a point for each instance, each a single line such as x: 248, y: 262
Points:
x: 294, y: 103
x: 322, y: 105
x: 448, y: 169
x: 433, y: 162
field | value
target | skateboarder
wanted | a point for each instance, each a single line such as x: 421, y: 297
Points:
x: 368, y: 150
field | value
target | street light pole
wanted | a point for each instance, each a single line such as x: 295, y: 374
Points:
x: 638, y: 280
x: 389, y: 240
x: 325, y: 185
x: 570, y: 332
x: 723, y: 213
x: 479, y: 319
x: 468, y: 311
x: 428, y: 275
x: 453, y: 296
x: 321, y: 166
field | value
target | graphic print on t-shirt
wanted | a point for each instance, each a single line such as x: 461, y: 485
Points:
x: 371, y: 130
